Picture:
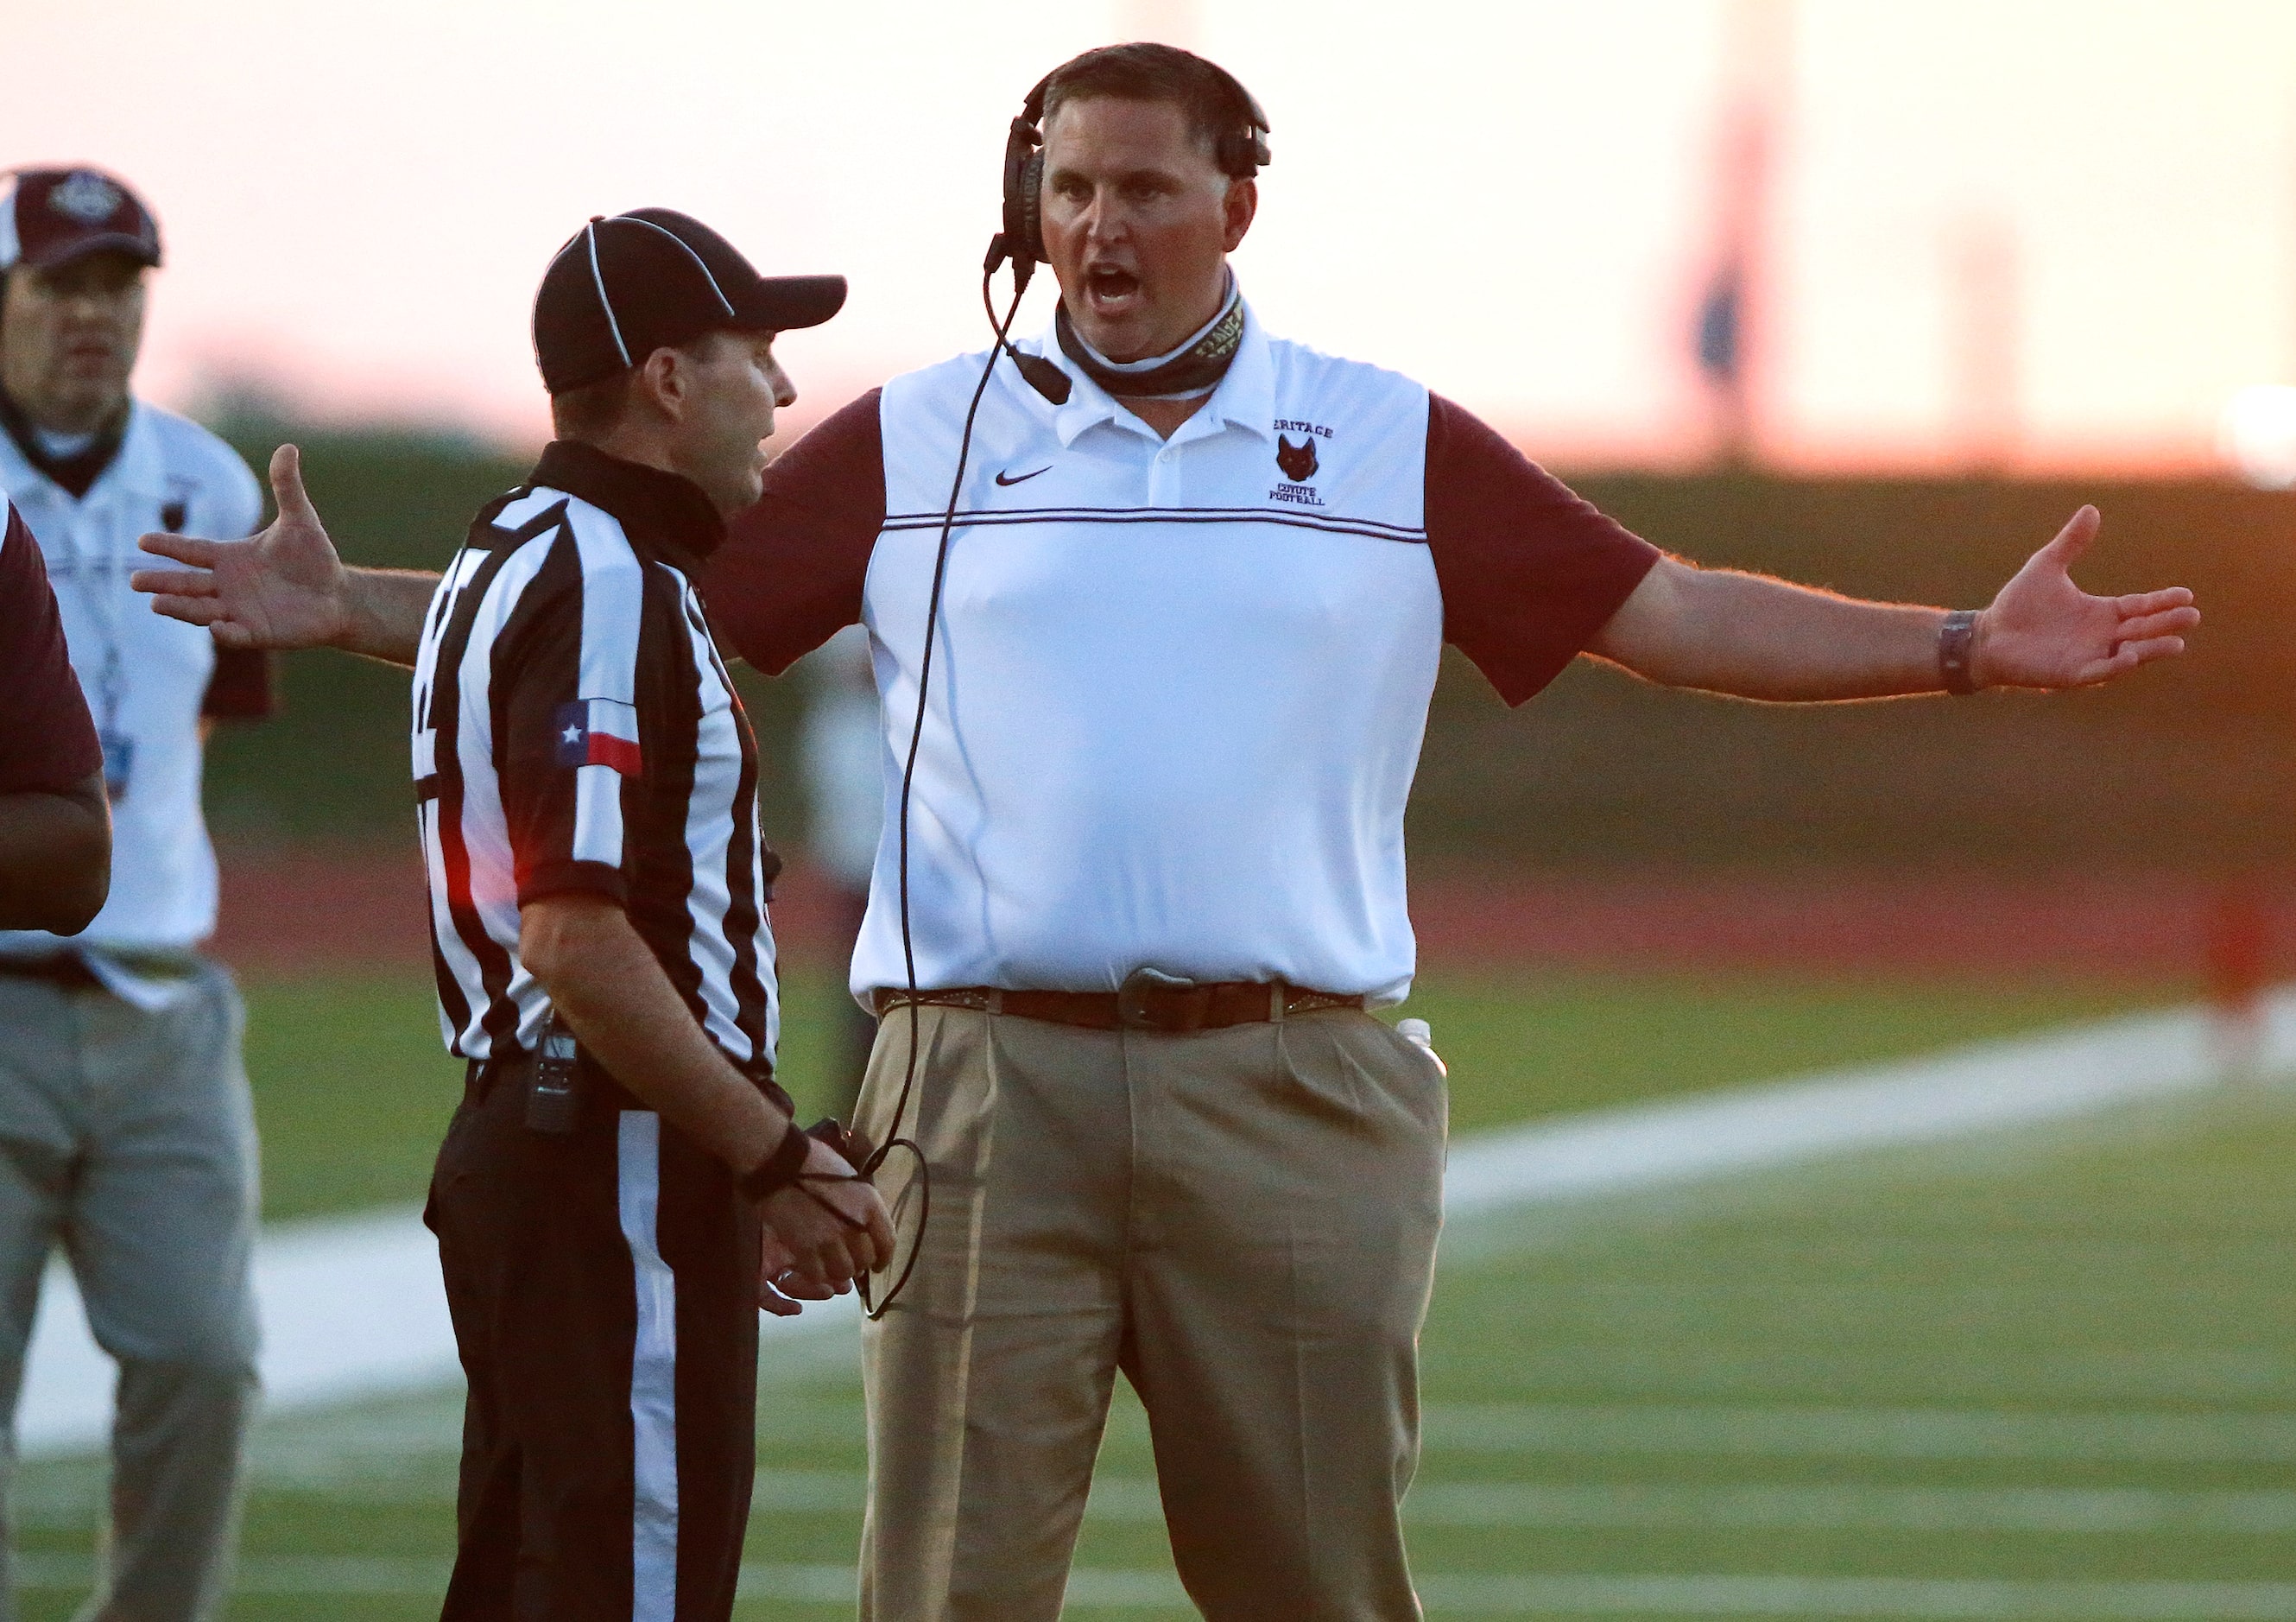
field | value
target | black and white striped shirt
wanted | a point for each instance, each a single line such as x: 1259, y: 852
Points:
x: 575, y: 731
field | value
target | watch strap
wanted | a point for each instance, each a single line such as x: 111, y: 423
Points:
x: 1956, y: 639
x: 778, y: 1170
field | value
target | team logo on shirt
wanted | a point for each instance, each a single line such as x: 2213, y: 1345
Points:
x: 600, y: 732
x: 1297, y: 463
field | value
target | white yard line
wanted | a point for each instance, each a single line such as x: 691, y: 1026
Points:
x: 1838, y: 1507
x: 1844, y: 1506
x: 352, y: 1307
x: 1496, y: 1593
x: 425, y: 1476
x: 2217, y: 1436
x: 2017, y: 1081
x: 1490, y: 1594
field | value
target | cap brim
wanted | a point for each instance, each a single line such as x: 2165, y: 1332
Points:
x: 783, y: 303
x: 136, y: 248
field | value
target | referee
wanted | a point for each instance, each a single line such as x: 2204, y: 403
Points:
x: 1198, y: 586
x: 587, y: 788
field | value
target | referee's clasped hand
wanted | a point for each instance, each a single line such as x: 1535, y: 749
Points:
x: 821, y: 1233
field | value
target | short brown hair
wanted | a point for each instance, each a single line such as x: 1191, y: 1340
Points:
x: 590, y: 411
x: 1217, y: 108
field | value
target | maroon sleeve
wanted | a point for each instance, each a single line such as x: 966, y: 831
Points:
x: 790, y: 573
x: 1529, y: 570
x: 239, y: 688
x: 47, y: 739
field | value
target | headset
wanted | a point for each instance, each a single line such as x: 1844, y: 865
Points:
x: 1240, y: 152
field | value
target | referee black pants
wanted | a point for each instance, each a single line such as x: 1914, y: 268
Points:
x: 603, y: 1288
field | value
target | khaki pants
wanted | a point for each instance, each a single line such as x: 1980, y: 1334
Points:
x: 1243, y: 1220
x: 128, y: 1138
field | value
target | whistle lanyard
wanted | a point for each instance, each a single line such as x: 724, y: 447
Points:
x: 98, y: 577
x: 93, y: 578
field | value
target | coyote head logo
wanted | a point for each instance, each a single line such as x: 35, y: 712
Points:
x: 1297, y: 461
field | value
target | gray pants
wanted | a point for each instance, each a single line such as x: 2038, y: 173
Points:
x: 128, y: 1138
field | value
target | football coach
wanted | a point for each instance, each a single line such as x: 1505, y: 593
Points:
x: 1198, y: 582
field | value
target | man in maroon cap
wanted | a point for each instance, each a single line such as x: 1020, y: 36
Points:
x: 124, y: 1105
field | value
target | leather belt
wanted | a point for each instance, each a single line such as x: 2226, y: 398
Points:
x: 481, y: 1076
x: 1175, y: 1008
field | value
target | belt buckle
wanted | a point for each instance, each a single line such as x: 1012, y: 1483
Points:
x: 1132, y: 1009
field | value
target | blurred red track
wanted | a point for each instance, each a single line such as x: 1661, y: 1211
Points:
x: 304, y: 909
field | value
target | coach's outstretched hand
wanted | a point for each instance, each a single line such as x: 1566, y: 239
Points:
x: 820, y: 1234
x: 283, y: 587
x: 2044, y: 631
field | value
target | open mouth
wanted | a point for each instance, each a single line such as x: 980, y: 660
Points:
x: 1108, y: 289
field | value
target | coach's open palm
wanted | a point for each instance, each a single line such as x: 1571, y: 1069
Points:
x: 281, y: 588
x: 2044, y: 631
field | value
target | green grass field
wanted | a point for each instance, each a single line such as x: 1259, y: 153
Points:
x: 353, y: 1089
x: 2047, y: 1376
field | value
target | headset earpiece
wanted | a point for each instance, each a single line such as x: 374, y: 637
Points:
x: 1244, y: 152
x: 1024, y: 176
x: 1032, y: 204
x: 1024, y: 171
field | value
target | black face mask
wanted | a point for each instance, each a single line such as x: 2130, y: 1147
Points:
x: 1194, y: 368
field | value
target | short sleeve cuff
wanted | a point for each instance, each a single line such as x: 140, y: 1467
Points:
x: 1530, y: 572
x: 549, y: 879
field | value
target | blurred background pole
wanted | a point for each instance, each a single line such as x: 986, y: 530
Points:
x: 2239, y: 958
x: 1757, y: 75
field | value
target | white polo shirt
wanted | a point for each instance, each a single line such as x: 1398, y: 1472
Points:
x: 1180, y: 687
x: 146, y: 677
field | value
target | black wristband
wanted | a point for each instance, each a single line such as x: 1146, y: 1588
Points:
x: 1956, y: 639
x: 778, y: 1170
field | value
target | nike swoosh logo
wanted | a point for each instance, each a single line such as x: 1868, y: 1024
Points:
x: 1024, y: 478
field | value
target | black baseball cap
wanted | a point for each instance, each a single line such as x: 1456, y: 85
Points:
x: 51, y: 217
x: 625, y: 286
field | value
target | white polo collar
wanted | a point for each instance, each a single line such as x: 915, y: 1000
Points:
x: 1245, y: 398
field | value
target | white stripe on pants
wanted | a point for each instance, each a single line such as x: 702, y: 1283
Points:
x: 653, y: 1377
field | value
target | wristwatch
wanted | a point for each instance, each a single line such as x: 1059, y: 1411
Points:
x: 778, y: 1170
x: 1956, y: 639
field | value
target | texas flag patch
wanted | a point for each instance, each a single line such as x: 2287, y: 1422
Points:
x: 600, y: 732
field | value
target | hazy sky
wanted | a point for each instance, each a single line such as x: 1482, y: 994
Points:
x: 2067, y: 229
